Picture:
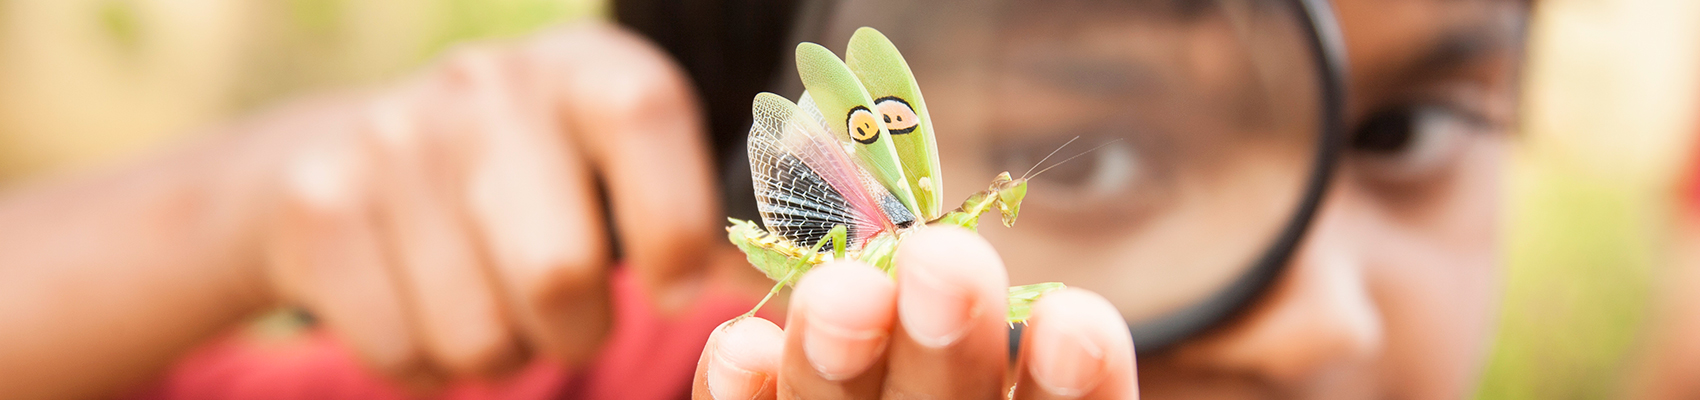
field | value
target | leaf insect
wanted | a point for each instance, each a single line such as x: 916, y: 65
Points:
x: 854, y: 165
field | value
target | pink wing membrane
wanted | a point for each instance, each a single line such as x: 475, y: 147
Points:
x: 805, y: 183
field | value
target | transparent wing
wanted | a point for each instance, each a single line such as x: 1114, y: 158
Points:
x: 807, y: 104
x: 805, y: 184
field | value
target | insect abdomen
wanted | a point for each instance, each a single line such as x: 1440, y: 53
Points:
x: 770, y: 253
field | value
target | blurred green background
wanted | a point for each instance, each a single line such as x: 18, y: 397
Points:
x: 1609, y: 91
x: 1607, y: 127
x: 88, y: 80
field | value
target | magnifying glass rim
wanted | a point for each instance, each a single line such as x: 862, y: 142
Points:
x: 1328, y: 51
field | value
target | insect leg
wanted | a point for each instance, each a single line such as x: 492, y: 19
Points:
x: 837, y: 236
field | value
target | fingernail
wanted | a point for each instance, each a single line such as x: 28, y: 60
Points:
x: 1067, y: 364
x: 935, y: 313
x: 726, y: 379
x: 838, y: 353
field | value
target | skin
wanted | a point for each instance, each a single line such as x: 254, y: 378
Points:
x: 1391, y: 295
x: 938, y: 331
x: 446, y: 226
x: 389, y: 213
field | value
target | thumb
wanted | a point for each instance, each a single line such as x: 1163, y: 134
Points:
x: 740, y: 361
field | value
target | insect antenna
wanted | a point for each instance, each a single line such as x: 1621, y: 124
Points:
x: 1048, y: 156
x: 1059, y: 163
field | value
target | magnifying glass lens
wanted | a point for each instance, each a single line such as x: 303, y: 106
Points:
x: 1204, y: 117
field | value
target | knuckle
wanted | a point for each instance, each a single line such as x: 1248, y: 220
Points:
x: 597, y: 39
x: 485, y: 354
x: 321, y: 183
x: 640, y: 93
x: 615, y: 74
x: 677, y: 247
x: 475, y: 76
x: 573, y: 317
x: 474, y: 65
x: 565, y: 281
x: 388, y: 125
x: 403, y: 361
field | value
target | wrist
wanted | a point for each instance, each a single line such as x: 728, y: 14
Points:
x: 225, y: 180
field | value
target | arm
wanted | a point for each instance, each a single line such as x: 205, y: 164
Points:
x: 448, y: 225
x: 106, y: 277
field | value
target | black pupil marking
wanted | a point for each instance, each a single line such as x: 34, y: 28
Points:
x: 865, y: 134
x: 882, y: 104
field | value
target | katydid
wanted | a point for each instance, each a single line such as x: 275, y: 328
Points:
x: 855, y: 164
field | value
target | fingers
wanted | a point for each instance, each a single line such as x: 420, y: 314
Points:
x: 458, y: 316
x: 327, y: 255
x: 948, y: 304
x: 535, y: 201
x: 951, y: 303
x: 837, y: 331
x: 638, y: 122
x: 1076, y: 346
x: 475, y: 233
x: 741, y: 361
x: 516, y: 191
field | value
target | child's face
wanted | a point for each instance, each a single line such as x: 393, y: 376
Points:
x: 1392, y: 294
x: 1209, y: 109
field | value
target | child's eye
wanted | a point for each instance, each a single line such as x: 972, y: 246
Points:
x: 1110, y: 172
x: 1106, y: 173
x: 1411, y: 141
x: 1112, y: 187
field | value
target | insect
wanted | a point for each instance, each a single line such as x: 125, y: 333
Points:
x: 852, y: 168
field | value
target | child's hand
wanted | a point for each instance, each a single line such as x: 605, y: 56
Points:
x: 453, y: 224
x: 937, y: 332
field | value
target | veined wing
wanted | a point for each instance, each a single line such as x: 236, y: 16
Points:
x: 849, y: 115
x: 897, y: 99
x: 805, y: 184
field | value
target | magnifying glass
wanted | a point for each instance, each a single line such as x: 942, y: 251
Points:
x: 1216, y: 125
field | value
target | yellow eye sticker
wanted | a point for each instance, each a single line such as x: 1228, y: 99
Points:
x: 899, y: 117
x: 863, y: 127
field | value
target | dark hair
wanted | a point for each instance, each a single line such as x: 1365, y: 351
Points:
x: 729, y: 47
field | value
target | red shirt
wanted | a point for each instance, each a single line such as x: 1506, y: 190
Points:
x: 646, y: 357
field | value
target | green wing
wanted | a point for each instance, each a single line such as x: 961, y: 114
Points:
x: 886, y: 76
x: 849, y: 114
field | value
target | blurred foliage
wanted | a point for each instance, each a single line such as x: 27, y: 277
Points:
x: 503, y: 18
x: 316, y: 18
x: 329, y: 43
x: 121, y: 23
x: 1608, y: 116
x: 1577, y: 283
x: 91, y: 80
